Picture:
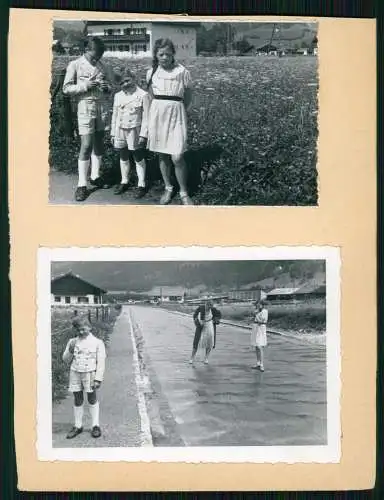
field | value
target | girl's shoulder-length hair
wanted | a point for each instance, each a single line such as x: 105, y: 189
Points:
x: 161, y: 43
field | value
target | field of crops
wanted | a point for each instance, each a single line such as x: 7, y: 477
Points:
x: 303, y: 318
x: 61, y: 332
x: 252, y: 130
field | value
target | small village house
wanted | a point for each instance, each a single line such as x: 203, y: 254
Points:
x: 167, y: 294
x: 136, y: 39
x: 281, y: 294
x: 71, y: 289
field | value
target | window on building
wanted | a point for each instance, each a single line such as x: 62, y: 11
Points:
x: 82, y: 300
x: 110, y: 32
x: 121, y: 48
x: 57, y: 298
x: 96, y: 299
x: 67, y: 300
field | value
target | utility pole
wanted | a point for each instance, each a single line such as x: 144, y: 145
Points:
x: 272, y: 35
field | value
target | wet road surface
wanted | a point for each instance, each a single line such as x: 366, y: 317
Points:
x: 227, y: 403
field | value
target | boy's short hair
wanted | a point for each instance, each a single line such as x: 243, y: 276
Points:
x: 96, y: 42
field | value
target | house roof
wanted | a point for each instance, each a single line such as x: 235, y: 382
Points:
x: 70, y: 274
x: 282, y: 291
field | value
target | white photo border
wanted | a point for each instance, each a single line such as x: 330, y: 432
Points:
x: 330, y: 453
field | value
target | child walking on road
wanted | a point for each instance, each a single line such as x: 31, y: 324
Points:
x: 91, y: 81
x: 129, y: 130
x: 86, y: 353
x: 259, y: 334
x: 169, y: 84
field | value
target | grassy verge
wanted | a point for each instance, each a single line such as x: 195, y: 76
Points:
x: 301, y: 317
x: 61, y: 332
x: 252, y: 130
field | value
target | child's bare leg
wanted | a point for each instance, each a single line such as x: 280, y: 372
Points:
x: 181, y: 176
x: 261, y: 351
x: 94, y: 410
x: 97, y: 154
x: 207, y: 353
x: 165, y: 169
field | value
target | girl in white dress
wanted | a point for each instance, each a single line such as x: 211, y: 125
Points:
x: 259, y: 333
x: 169, y: 84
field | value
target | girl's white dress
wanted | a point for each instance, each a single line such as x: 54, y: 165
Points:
x: 259, y: 329
x: 207, y: 332
x: 167, y: 124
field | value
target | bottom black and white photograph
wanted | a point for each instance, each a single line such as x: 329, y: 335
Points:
x: 193, y: 354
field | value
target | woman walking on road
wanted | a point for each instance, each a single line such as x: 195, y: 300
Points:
x: 259, y: 333
x: 206, y: 317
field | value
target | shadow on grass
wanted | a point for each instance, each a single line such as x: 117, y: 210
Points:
x: 198, y: 162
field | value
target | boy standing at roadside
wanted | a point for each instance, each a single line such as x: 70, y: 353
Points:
x: 90, y: 80
x: 86, y: 353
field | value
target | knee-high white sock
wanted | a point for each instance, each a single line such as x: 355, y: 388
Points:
x: 83, y: 167
x: 95, y: 166
x: 125, y: 167
x: 140, y: 170
x: 94, y: 410
x: 78, y: 412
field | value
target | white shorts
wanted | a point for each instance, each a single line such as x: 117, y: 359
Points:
x: 92, y: 116
x: 81, y: 381
x: 127, y: 138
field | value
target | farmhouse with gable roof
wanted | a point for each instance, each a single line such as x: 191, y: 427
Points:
x: 71, y: 289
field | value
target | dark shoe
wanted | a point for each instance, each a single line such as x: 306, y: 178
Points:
x: 98, y: 182
x: 75, y: 431
x: 96, y: 431
x: 140, y: 192
x: 81, y: 193
x: 121, y: 188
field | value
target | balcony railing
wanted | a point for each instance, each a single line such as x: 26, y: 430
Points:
x: 142, y: 38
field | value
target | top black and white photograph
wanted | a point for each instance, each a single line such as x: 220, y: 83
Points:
x: 183, y: 113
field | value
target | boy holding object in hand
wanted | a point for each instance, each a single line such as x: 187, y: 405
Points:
x: 86, y: 353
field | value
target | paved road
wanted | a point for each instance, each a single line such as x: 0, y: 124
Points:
x: 152, y: 396
x: 119, y: 415
x: 227, y: 403
x: 62, y: 188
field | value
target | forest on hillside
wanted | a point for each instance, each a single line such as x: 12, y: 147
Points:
x: 141, y: 276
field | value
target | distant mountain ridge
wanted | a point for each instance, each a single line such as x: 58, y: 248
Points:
x: 193, y: 275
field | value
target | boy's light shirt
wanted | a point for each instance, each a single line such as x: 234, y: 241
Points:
x: 130, y: 111
x: 79, y: 72
x: 88, y: 356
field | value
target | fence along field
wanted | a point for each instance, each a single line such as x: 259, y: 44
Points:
x: 252, y: 129
x: 102, y: 320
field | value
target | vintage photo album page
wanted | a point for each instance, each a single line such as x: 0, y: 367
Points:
x: 193, y: 251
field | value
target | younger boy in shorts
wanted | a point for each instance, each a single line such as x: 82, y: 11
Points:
x: 86, y: 353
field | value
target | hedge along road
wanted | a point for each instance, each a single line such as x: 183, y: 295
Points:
x: 226, y: 402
